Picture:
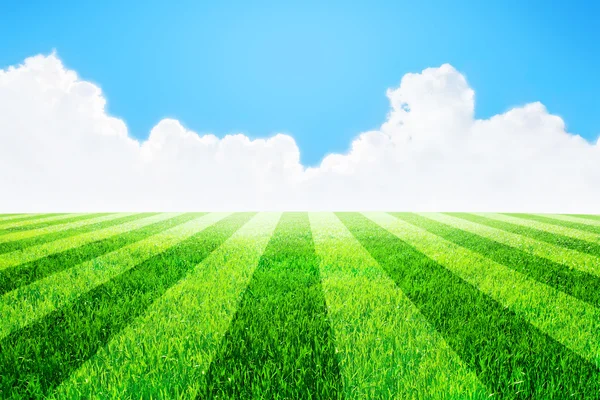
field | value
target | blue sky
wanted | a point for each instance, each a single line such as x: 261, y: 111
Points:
x: 316, y: 71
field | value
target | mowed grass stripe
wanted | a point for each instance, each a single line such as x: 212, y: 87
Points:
x: 589, y: 218
x: 583, y: 243
x: 18, y: 218
x: 579, y: 219
x: 29, y: 303
x: 558, y: 222
x: 385, y: 346
x: 30, y: 219
x: 37, y: 358
x: 571, y: 272
x: 68, y: 218
x: 570, y: 321
x: 24, y: 274
x: 163, y: 354
x: 21, y: 240
x: 22, y: 234
x: 558, y: 231
x: 33, y: 253
x: 510, y: 356
x: 279, y: 343
x: 4, y: 217
x: 486, y: 225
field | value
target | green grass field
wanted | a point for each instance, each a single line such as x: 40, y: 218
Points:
x: 299, y: 306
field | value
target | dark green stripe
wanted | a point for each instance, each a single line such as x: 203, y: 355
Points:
x: 28, y: 218
x: 51, y: 223
x: 501, y: 347
x: 279, y: 343
x: 537, y: 234
x: 559, y: 222
x: 40, y: 356
x: 21, y: 244
x: 576, y: 283
x: 25, y: 274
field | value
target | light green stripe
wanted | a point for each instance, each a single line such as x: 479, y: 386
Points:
x: 572, y: 218
x: 38, y: 220
x: 28, y: 303
x: 571, y: 258
x: 57, y: 228
x: 555, y: 229
x: 385, y: 347
x: 570, y: 321
x: 175, y: 341
x: 4, y: 218
x: 33, y: 253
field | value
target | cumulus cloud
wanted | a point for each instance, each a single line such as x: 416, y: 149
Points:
x: 61, y: 151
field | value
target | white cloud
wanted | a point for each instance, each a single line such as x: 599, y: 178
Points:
x: 59, y: 150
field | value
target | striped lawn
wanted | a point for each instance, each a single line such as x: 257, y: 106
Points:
x: 80, y: 221
x: 581, y: 241
x: 279, y: 344
x: 21, y: 240
x: 493, y: 230
x: 385, y: 347
x: 33, y: 253
x: 68, y: 218
x: 32, y: 365
x: 164, y: 354
x: 546, y: 219
x: 299, y: 305
x: 10, y: 219
x: 29, y: 303
x: 586, y: 218
x: 511, y: 357
x: 578, y: 245
x: 6, y: 217
x: 24, y: 274
x: 581, y: 218
x: 568, y: 320
x: 574, y: 273
x: 29, y: 220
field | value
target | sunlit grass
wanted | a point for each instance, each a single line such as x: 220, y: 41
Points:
x: 163, y: 354
x: 295, y: 305
x: 32, y: 365
x: 385, y: 346
x: 48, y: 232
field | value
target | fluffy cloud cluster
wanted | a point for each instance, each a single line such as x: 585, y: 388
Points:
x: 61, y: 151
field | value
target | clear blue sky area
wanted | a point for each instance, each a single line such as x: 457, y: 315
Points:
x: 315, y: 69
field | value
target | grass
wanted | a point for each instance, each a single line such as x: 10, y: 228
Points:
x: 6, y: 217
x: 24, y: 274
x: 560, y: 230
x: 30, y: 254
x: 24, y: 239
x: 2, y: 216
x: 29, y: 303
x: 510, y: 356
x: 567, y: 278
x: 297, y: 305
x: 165, y: 352
x: 30, y: 365
x: 385, y: 346
x: 28, y: 220
x: 559, y: 222
x: 568, y: 320
x: 279, y: 344
x: 583, y: 242
x: 585, y: 216
x: 569, y: 258
x: 58, y: 221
